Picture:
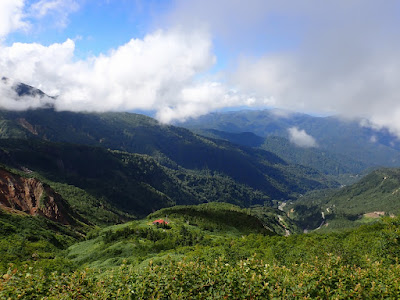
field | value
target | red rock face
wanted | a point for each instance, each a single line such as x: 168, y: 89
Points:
x: 32, y: 197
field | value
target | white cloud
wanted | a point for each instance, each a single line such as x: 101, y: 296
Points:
x: 197, y: 99
x: 301, y: 138
x: 58, y: 9
x: 159, y: 72
x: 11, y: 17
x: 37, y: 65
x: 156, y: 72
x: 338, y: 57
x: 43, y: 7
x: 18, y: 14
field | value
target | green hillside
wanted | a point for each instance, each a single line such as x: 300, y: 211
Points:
x: 183, y: 260
x: 24, y: 238
x: 375, y: 195
x: 219, y: 235
x: 131, y: 183
x: 170, y: 146
x: 376, y: 191
x: 188, y: 226
x: 215, y: 217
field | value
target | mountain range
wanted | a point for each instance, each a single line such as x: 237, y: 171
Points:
x: 133, y: 165
x: 341, y: 139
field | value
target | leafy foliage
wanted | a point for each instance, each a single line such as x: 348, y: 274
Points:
x: 25, y: 238
x: 361, y: 263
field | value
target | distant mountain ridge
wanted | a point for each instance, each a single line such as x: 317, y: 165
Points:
x: 365, y: 145
x: 320, y: 159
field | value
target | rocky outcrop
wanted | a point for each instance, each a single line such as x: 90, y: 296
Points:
x: 24, y: 123
x: 33, y: 197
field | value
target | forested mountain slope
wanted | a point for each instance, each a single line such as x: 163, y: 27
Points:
x: 137, y: 183
x: 374, y: 196
x: 323, y: 160
x: 368, y: 146
x: 170, y: 146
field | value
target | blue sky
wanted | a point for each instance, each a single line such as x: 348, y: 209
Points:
x: 98, y: 26
x: 185, y: 58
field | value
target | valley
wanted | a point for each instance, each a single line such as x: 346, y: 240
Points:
x: 80, y: 192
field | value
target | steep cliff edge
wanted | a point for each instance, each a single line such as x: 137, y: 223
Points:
x: 33, y: 197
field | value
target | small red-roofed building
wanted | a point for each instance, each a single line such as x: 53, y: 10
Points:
x: 160, y: 222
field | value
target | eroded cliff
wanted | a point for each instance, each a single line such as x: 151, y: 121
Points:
x: 33, y: 197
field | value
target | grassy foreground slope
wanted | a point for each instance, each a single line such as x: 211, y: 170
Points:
x: 188, y: 226
x: 24, y: 239
x: 187, y: 261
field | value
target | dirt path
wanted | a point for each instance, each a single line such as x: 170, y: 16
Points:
x: 287, y: 232
x: 281, y: 206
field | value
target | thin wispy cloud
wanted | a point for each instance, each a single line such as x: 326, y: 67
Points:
x: 59, y: 10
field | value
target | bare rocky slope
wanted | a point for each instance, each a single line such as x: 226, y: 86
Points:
x: 33, y: 197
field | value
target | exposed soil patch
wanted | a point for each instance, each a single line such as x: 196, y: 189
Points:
x: 375, y: 214
x: 33, y: 197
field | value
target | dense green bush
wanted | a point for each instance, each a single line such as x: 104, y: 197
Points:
x: 359, y: 263
x: 252, y: 278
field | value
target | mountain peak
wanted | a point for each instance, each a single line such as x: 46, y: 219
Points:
x: 20, y: 92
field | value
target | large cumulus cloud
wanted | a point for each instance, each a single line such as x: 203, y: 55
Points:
x: 11, y: 17
x: 157, y: 72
